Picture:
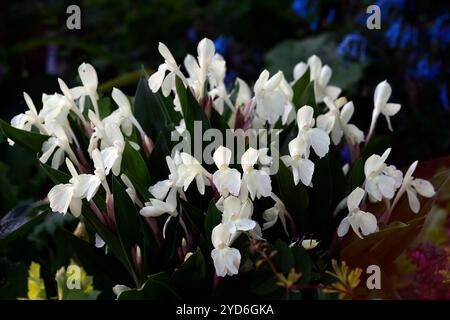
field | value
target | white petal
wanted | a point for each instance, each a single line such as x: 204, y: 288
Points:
x: 382, y: 94
x: 423, y: 187
x: 249, y: 158
x: 320, y: 141
x: 391, y: 109
x: 60, y: 197
x: 299, y: 70
x: 165, y: 52
x: 343, y: 227
x: 367, y: 223
x: 156, y: 79
x: 347, y: 112
x: 222, y: 156
x: 160, y: 189
x: 305, y: 117
x: 88, y: 77
x: 355, y: 198
x: 305, y: 171
x: 205, y: 51
x: 413, y: 200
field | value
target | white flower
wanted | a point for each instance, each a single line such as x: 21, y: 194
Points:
x: 236, y: 214
x: 321, y: 77
x: 270, y: 98
x: 412, y: 187
x: 108, y: 132
x: 257, y: 182
x: 226, y: 259
x: 226, y: 180
x: 131, y: 190
x: 278, y: 211
x: 156, y: 207
x: 70, y: 97
x: 302, y: 167
x: 70, y: 195
x: 382, y: 94
x: 314, y: 137
x: 381, y: 180
x: 159, y: 79
x: 190, y: 169
x: 336, y: 121
x: 357, y: 219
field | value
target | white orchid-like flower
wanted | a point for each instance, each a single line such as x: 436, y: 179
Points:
x: 359, y: 220
x: 226, y: 179
x: 208, y: 66
x: 159, y: 79
x: 70, y: 195
x: 190, y: 169
x: 278, y: 211
x: 314, y: 137
x: 71, y: 99
x: 302, y: 167
x: 257, y: 182
x: 244, y: 94
x: 412, y: 187
x: 382, y: 94
x: 226, y: 260
x: 321, y: 76
x: 336, y: 121
x: 271, y: 97
x: 237, y: 214
x: 381, y: 180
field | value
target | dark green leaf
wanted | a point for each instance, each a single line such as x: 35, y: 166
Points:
x: 303, y: 264
x: 356, y: 174
x: 191, y: 274
x: 134, y: 166
x: 284, y: 258
x: 293, y: 196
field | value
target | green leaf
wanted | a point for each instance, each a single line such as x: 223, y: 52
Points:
x: 195, y: 216
x: 356, y: 174
x: 294, y: 197
x: 218, y: 122
x: 107, y: 271
x: 134, y: 166
x: 150, y: 109
x: 157, y: 287
x: 263, y: 283
x: 13, y: 279
x: 31, y: 140
x: 213, y: 218
x: 308, y: 98
x: 157, y: 161
x: 299, y: 88
x: 191, y: 274
x: 191, y: 109
x: 303, y: 263
x: 19, y: 221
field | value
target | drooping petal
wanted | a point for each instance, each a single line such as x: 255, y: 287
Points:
x: 156, y: 79
x: 320, y: 141
x: 413, y: 200
x: 160, y: 189
x: 305, y: 171
x: 382, y: 94
x: 305, y: 117
x: 249, y: 158
x: 347, y: 112
x: 367, y: 223
x: 343, y: 227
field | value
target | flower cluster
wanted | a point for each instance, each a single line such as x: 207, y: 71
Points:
x: 320, y: 124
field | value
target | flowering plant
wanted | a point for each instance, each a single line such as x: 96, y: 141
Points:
x: 270, y: 212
